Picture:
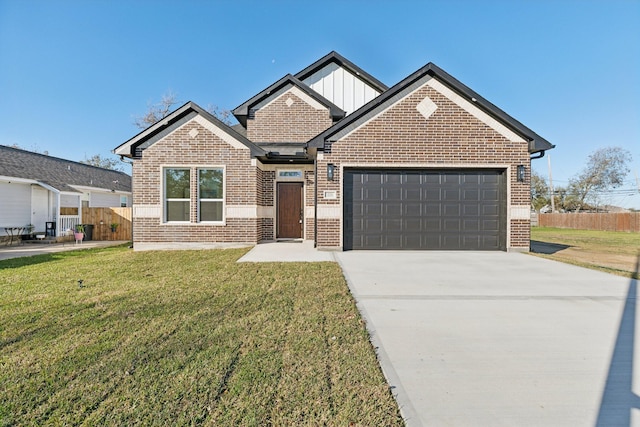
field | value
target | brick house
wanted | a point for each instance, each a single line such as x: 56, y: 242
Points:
x: 332, y: 155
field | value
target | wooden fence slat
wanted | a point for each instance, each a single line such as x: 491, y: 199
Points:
x: 624, y: 221
x: 102, y: 218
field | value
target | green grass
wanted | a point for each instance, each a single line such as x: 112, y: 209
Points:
x: 183, y: 338
x: 593, y: 248
x: 614, y: 242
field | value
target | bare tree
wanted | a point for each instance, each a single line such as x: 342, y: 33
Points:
x: 606, y: 169
x: 156, y: 112
x: 221, y: 114
x: 103, y: 162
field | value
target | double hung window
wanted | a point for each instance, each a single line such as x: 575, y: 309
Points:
x: 209, y: 203
x: 177, y: 194
x: 210, y: 194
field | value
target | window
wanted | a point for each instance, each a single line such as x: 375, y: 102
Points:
x: 123, y: 201
x: 177, y: 194
x: 210, y: 194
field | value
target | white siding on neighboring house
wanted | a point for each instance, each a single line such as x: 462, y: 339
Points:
x: 341, y: 87
x: 15, y: 205
x: 70, y: 200
x: 39, y: 207
x: 104, y: 200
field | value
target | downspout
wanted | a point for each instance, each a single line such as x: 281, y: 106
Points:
x: 315, y: 201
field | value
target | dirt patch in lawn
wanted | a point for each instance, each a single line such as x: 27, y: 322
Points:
x: 570, y: 253
x: 614, y: 252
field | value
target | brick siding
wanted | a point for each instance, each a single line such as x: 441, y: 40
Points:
x: 279, y: 122
x: 401, y: 135
x: 179, y: 149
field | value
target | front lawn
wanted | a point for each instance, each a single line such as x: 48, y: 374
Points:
x: 611, y: 251
x: 180, y: 338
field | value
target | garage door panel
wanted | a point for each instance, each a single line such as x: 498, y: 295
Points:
x: 451, y: 210
x: 413, y: 225
x: 393, y: 209
x: 424, y: 209
x: 412, y: 209
x: 371, y: 209
x: 393, y: 226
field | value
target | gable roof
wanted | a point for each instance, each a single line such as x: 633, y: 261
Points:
x: 398, y: 91
x: 242, y: 111
x: 59, y: 174
x: 335, y: 57
x: 133, y: 147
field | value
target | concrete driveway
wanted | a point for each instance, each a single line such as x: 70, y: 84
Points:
x: 500, y: 339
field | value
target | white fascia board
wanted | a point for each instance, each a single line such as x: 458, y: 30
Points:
x: 18, y: 180
x: 86, y: 189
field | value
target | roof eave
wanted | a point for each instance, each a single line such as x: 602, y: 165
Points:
x: 242, y: 111
x: 128, y: 148
x: 536, y: 142
x: 344, y: 62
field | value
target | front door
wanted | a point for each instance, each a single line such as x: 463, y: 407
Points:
x: 289, y: 216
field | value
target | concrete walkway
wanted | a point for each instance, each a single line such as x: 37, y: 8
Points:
x: 287, y: 251
x: 30, y: 249
x: 500, y: 339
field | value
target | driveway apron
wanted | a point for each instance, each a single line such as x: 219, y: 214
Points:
x: 500, y: 339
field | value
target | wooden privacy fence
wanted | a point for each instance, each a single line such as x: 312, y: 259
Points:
x: 102, y: 218
x: 627, y: 221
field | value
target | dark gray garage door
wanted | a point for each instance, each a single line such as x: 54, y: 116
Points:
x: 425, y: 209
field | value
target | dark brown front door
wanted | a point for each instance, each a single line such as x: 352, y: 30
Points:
x: 289, y: 210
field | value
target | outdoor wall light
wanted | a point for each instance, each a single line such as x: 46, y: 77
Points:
x: 520, y: 173
x: 330, y: 171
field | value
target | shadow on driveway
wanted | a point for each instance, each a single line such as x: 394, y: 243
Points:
x: 618, y: 398
x: 546, y: 247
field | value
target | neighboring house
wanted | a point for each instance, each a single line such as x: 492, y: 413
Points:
x: 333, y: 155
x: 50, y: 192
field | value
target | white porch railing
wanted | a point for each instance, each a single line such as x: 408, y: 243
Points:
x: 67, y: 222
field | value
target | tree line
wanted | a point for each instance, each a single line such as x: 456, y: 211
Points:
x: 605, y: 171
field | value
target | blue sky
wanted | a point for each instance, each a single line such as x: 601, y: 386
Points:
x: 74, y: 74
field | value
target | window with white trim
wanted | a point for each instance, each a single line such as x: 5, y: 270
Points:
x: 210, y: 194
x: 177, y: 194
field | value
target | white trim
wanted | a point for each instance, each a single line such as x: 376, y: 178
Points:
x: 474, y: 111
x: 330, y: 211
x: 423, y: 166
x: 242, y: 211
x: 266, y: 212
x: 147, y: 211
x: 301, y: 95
x: 216, y: 131
x: 519, y: 212
x: 426, y: 107
x: 84, y: 188
x: 199, y: 199
x: 309, y: 212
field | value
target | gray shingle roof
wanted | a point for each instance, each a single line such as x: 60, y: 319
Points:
x: 59, y: 173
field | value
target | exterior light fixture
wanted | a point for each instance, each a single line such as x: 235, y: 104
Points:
x: 330, y: 171
x: 521, y: 172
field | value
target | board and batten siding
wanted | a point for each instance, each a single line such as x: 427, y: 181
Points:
x: 16, y: 204
x: 341, y: 87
